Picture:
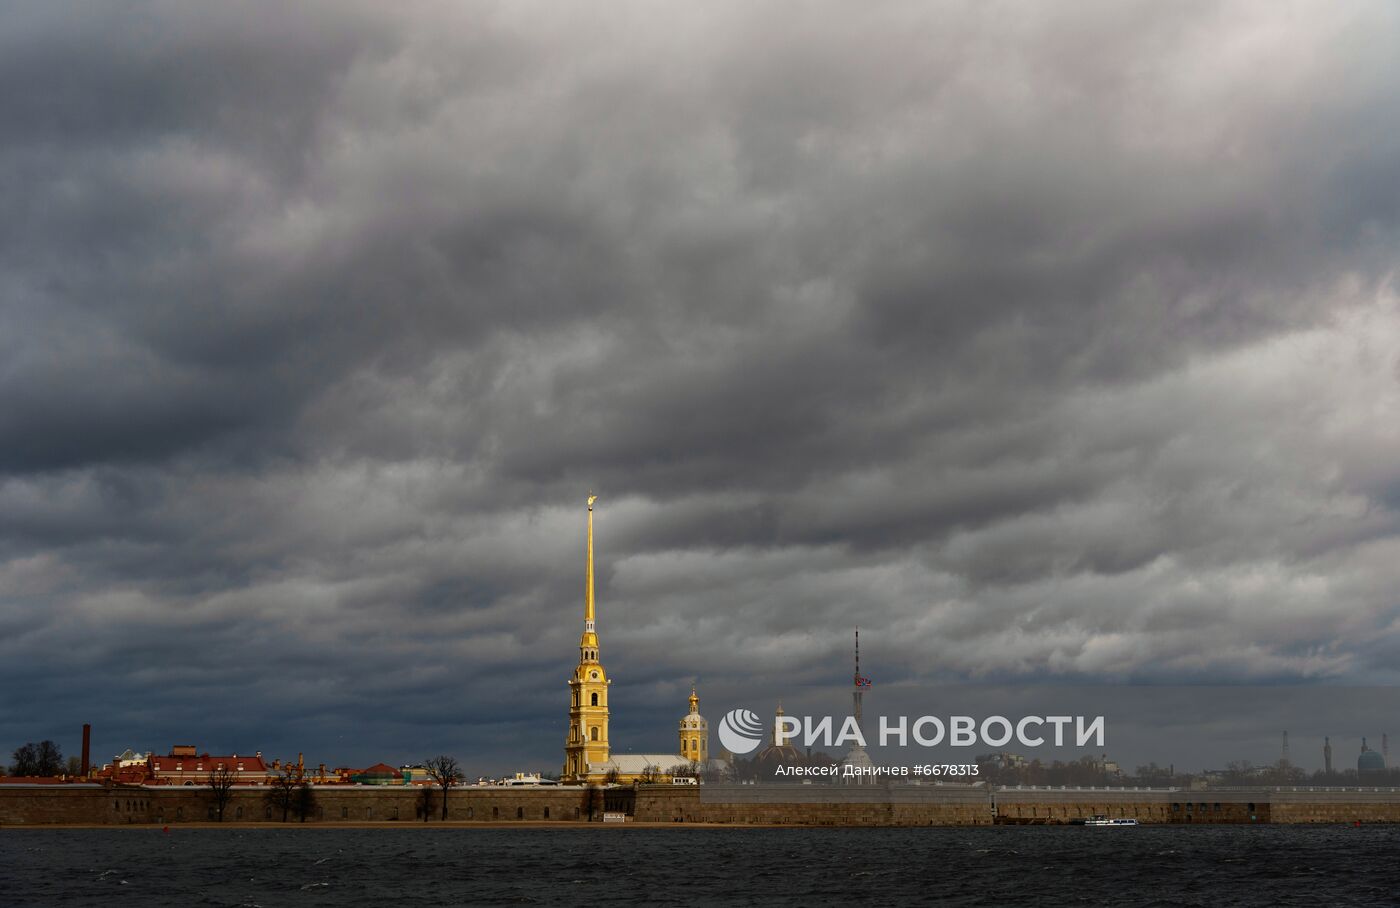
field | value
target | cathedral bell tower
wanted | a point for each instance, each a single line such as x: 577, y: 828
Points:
x: 588, y: 688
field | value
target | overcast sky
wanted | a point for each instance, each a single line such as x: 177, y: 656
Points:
x: 1042, y: 341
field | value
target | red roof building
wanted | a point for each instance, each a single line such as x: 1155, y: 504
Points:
x: 193, y: 769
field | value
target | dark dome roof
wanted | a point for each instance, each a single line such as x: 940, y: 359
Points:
x: 1370, y: 761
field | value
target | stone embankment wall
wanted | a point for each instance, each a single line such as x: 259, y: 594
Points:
x: 129, y: 804
x: 1324, y: 806
x: 1057, y: 806
x: 816, y: 805
x: 797, y: 805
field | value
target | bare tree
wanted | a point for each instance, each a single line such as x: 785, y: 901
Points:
x: 282, y: 789
x: 613, y: 777
x: 221, y: 788
x: 445, y: 773
x: 651, y: 774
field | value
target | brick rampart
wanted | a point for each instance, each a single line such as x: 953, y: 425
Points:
x: 798, y: 805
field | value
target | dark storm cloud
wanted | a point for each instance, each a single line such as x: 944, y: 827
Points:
x: 1037, y: 342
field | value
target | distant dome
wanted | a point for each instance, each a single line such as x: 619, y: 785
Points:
x: 695, y: 721
x: 1370, y: 761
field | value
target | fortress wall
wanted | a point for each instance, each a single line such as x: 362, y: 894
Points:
x: 801, y: 805
x: 1055, y: 806
x: 1375, y: 806
x: 23, y: 805
x: 866, y: 805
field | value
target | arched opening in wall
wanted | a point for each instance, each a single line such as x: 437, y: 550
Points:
x: 495, y: 813
x: 238, y: 812
x: 189, y: 783
x: 471, y: 812
x: 595, y: 699
x: 267, y: 813
x: 577, y: 813
x: 520, y: 813
x: 546, y: 813
x: 345, y: 813
x: 179, y: 813
x: 593, y: 733
x: 369, y: 813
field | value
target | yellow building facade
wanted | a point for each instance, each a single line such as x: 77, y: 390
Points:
x: 695, y: 733
x: 587, y: 743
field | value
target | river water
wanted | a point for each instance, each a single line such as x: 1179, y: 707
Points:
x: 1168, y: 865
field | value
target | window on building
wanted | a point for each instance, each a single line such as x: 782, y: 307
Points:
x: 179, y: 813
x: 595, y: 699
x: 471, y: 813
x: 577, y: 813
x: 267, y: 813
x: 520, y: 813
x: 495, y: 812
x: 594, y: 733
x: 345, y: 813
x: 238, y: 813
x: 546, y: 813
x: 369, y: 813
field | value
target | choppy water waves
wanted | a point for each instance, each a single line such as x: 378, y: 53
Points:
x: 264, y: 868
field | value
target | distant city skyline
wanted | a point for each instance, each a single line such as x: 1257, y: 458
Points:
x: 1051, y: 345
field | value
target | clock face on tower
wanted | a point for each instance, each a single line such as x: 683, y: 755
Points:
x: 593, y: 675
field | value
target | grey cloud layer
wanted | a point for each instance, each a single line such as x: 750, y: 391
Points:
x: 1038, y: 342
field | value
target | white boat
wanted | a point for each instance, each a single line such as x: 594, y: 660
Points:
x: 1105, y: 821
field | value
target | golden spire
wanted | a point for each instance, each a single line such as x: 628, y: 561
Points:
x: 694, y: 700
x: 588, y: 575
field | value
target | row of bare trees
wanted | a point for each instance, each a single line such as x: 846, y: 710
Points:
x: 290, y: 792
